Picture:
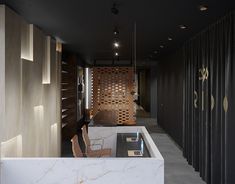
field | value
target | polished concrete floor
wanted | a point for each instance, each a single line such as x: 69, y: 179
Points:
x: 177, y: 170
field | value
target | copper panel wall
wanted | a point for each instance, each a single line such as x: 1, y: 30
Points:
x: 112, y: 90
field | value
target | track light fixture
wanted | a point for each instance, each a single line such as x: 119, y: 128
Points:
x: 115, y: 31
x: 183, y: 26
x: 203, y: 8
x: 114, y: 9
x: 116, y: 44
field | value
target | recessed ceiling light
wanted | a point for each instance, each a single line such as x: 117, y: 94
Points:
x: 116, y: 54
x: 161, y: 46
x: 155, y: 52
x: 170, y: 39
x: 182, y: 26
x: 116, y: 44
x: 203, y: 8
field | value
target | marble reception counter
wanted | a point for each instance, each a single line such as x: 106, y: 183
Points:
x: 115, y: 170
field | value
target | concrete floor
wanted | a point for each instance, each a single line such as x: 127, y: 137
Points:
x: 177, y: 170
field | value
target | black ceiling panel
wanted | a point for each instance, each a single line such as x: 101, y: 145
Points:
x: 86, y: 26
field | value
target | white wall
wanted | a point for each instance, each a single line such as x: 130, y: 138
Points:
x: 2, y: 70
x: 31, y: 69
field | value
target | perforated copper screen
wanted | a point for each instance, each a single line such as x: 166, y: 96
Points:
x: 112, y: 87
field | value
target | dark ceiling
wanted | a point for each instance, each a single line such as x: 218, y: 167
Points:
x: 86, y: 26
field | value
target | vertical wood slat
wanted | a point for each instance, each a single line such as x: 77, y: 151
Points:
x: 69, y: 96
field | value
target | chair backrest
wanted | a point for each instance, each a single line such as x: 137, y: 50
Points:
x: 77, y: 152
x: 86, y: 138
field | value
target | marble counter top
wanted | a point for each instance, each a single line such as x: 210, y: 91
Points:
x: 88, y: 170
x: 109, y: 135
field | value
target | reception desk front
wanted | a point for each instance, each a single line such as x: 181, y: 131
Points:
x: 122, y: 168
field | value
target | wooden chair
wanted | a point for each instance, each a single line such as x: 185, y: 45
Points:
x: 77, y: 152
x: 101, y: 152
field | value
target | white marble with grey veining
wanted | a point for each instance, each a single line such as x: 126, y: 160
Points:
x: 89, y: 170
x: 82, y: 171
x: 109, y: 135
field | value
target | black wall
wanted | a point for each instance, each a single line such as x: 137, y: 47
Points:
x: 210, y: 137
x: 209, y: 101
x: 144, y: 89
x: 170, y: 73
x: 153, y: 92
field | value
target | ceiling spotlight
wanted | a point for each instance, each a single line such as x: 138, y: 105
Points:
x: 115, y: 31
x: 161, y: 46
x: 116, y: 54
x: 182, y: 26
x: 203, y: 8
x: 116, y: 44
x: 170, y: 39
